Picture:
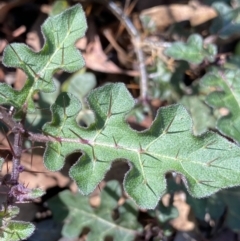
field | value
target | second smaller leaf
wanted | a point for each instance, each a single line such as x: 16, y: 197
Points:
x: 75, y: 209
x: 194, y: 51
x: 225, y: 93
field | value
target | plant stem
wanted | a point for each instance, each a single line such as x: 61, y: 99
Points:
x: 136, y: 40
x: 17, y: 148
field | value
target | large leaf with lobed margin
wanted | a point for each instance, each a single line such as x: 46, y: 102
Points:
x: 194, y: 51
x: 225, y: 93
x: 59, y: 52
x: 78, y: 214
x: 207, y: 163
x: 13, y: 230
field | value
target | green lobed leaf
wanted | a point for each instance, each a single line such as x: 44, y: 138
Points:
x: 13, y: 230
x: 16, y: 230
x: 78, y: 214
x: 59, y: 52
x: 8, y: 213
x: 194, y: 51
x: 208, y: 162
x: 225, y: 93
x: 35, y: 193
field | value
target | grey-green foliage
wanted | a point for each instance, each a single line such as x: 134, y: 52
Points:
x: 227, y: 23
x: 202, y: 115
x: 208, y: 163
x: 41, y: 115
x: 224, y: 85
x: 59, y: 52
x: 194, y: 51
x: 77, y: 214
x: 13, y: 230
x: 167, y: 84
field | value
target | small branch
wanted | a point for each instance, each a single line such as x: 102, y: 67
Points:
x: 17, y: 128
x: 136, y: 40
x: 41, y: 137
x: 17, y: 147
x: 18, y: 131
x: 7, y: 119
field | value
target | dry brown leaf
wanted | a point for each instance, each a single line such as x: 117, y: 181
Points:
x: 81, y: 43
x: 163, y: 16
x: 122, y: 55
x: 17, y: 32
x: 2, y: 75
x: 3, y: 44
x: 182, y: 222
x: 33, y: 40
x: 38, y: 175
x: 46, y: 8
x: 97, y: 60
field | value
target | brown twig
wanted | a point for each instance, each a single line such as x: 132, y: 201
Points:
x: 136, y: 40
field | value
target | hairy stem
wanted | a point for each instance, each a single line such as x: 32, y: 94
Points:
x: 17, y: 148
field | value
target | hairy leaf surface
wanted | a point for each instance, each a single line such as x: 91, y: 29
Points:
x: 59, y: 52
x: 226, y: 93
x: 208, y: 162
x: 13, y: 230
x: 79, y: 215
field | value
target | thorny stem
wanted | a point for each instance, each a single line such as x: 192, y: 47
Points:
x: 18, y: 130
x: 17, y: 148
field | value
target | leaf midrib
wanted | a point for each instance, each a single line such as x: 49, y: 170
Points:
x: 32, y: 89
x: 94, y: 216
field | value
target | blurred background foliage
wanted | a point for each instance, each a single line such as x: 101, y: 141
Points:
x: 190, y: 55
